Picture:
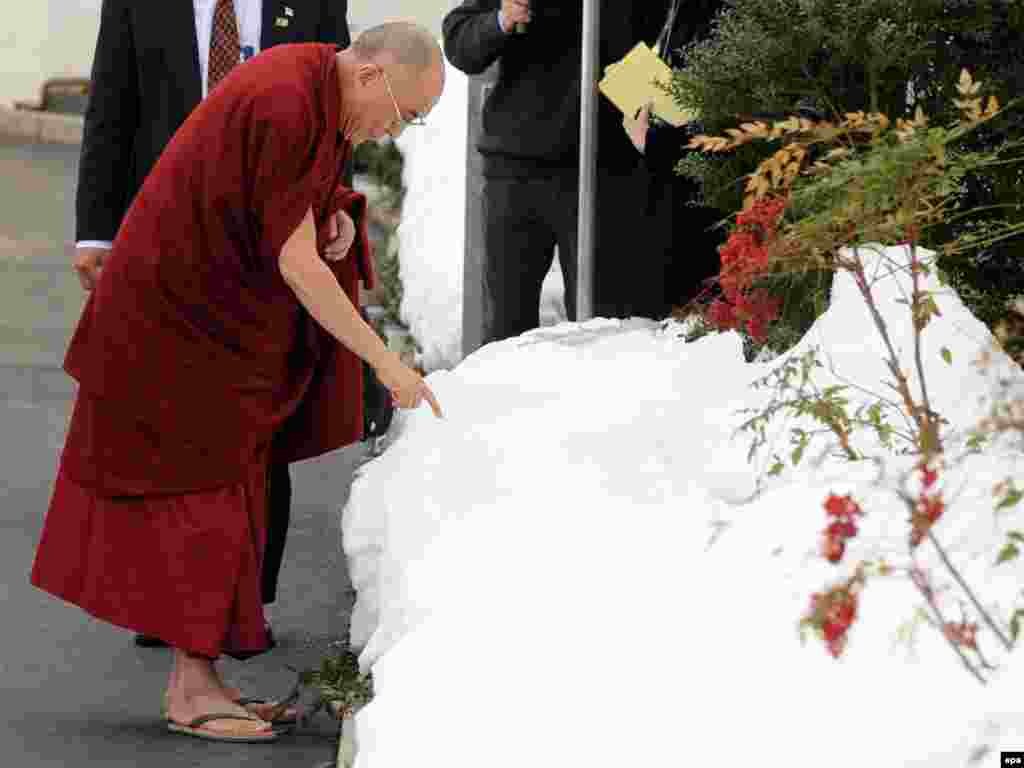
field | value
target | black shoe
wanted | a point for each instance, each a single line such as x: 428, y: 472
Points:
x: 148, y: 641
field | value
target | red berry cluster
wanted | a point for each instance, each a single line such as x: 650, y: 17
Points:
x: 927, y: 510
x: 963, y: 634
x: 745, y: 258
x: 833, y: 613
x: 843, y: 512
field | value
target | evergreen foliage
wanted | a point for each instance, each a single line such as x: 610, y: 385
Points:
x: 771, y: 58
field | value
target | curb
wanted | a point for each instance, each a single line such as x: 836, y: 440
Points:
x: 41, y: 127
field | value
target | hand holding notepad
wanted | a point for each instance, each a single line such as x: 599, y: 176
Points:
x: 638, y: 80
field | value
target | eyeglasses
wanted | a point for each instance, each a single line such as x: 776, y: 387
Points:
x: 415, y: 119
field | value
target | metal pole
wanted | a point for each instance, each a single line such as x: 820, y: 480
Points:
x: 589, y: 75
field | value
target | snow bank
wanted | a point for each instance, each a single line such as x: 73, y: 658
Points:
x: 431, y: 236
x: 577, y: 566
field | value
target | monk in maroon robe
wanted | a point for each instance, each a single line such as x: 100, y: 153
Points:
x: 217, y: 327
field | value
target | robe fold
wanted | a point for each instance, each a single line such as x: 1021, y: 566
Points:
x: 192, y: 356
x: 192, y: 339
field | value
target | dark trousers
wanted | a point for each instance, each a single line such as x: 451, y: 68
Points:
x: 688, y: 236
x: 526, y: 217
x: 279, y: 499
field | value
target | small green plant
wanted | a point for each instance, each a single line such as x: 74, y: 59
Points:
x: 339, y: 685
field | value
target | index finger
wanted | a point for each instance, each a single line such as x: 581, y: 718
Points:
x: 428, y: 393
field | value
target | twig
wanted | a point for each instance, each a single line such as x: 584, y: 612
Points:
x: 934, y: 444
x: 986, y: 617
x: 902, y: 385
x: 927, y: 594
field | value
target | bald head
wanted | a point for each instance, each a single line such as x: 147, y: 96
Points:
x: 406, y: 44
x: 390, y: 77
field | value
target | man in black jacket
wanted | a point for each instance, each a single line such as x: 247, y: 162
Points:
x: 678, y: 219
x: 530, y: 149
x: 153, y: 64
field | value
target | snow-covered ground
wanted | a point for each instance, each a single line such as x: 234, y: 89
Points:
x: 578, y: 567
x: 431, y: 236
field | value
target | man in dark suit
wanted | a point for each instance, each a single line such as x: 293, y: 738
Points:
x: 153, y: 64
x: 529, y: 145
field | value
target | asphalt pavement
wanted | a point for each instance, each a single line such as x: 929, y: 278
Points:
x: 78, y: 692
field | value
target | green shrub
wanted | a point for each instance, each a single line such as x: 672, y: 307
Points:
x: 382, y: 162
x: 776, y: 57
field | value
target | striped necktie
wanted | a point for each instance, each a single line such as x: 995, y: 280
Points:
x: 224, y: 45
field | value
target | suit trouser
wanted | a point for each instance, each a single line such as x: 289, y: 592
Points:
x: 526, y: 217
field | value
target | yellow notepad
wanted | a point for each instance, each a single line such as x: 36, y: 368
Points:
x: 630, y: 84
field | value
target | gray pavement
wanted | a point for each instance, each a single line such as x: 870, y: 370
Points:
x: 78, y: 692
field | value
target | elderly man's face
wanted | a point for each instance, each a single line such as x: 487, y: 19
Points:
x: 392, y: 99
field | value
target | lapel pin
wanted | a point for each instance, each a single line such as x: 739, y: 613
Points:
x: 288, y: 11
x: 281, y: 21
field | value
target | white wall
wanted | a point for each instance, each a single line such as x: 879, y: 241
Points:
x: 429, y: 13
x: 45, y: 38
x: 55, y: 38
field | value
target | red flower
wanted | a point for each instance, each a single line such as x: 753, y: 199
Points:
x: 833, y: 613
x: 928, y: 477
x: 932, y: 507
x: 745, y: 258
x: 927, y: 512
x: 842, y: 507
x: 962, y: 634
x: 843, y: 510
x: 833, y: 548
x: 844, y: 529
x: 837, y: 645
x: 763, y: 216
x: 721, y: 315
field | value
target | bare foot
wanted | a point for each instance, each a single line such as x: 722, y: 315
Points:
x: 197, y: 691
x: 184, y: 710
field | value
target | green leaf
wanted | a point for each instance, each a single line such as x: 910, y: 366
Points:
x: 947, y: 356
x: 976, y: 442
x: 1016, y: 536
x: 1015, y: 624
x: 1007, y: 553
x: 798, y: 453
x: 1012, y: 499
x: 776, y: 469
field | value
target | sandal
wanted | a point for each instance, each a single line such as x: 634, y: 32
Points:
x: 194, y: 728
x: 281, y: 712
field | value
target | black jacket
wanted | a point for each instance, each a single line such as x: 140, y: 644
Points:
x: 531, y: 119
x: 145, y: 82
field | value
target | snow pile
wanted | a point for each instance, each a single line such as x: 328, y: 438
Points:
x: 431, y: 236
x: 577, y: 567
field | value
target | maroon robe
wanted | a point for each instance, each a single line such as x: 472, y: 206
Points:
x: 192, y: 355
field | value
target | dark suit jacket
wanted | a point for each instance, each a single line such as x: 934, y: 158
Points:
x: 145, y: 82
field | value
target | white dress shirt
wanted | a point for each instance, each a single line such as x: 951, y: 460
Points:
x: 250, y: 26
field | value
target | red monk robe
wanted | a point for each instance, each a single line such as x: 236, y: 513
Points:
x: 192, y: 354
